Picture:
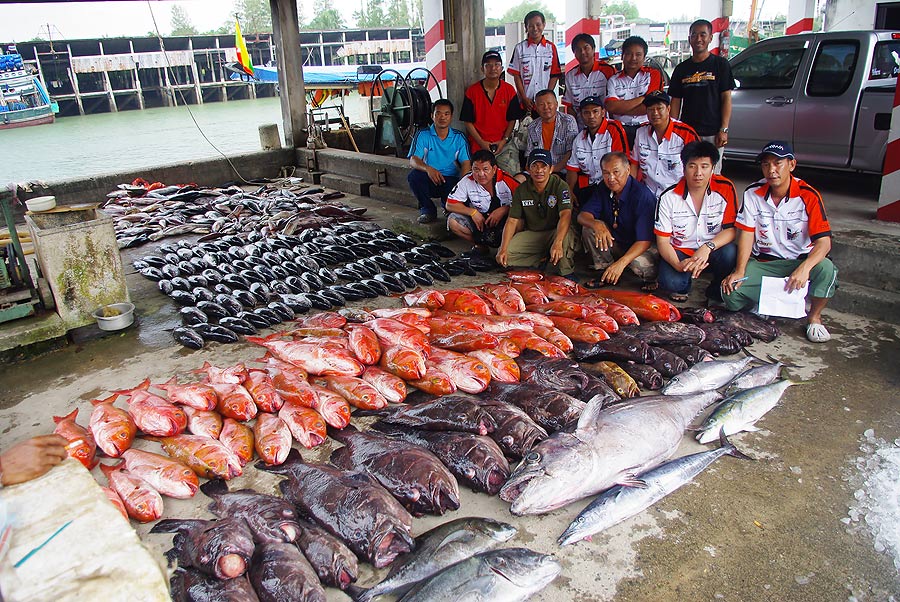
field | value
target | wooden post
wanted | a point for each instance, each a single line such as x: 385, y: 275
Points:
x: 290, y: 71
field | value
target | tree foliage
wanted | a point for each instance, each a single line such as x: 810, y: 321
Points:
x: 516, y: 13
x: 370, y: 14
x: 181, y: 22
x: 325, y: 18
x: 390, y: 13
x: 622, y: 7
x: 255, y: 16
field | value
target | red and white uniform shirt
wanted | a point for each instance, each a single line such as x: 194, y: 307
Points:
x: 587, y: 152
x: 787, y: 230
x: 622, y: 87
x: 472, y: 194
x: 660, y: 159
x: 579, y: 86
x: 536, y: 63
x: 686, y: 229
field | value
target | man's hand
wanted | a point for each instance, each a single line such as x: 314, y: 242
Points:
x: 500, y: 144
x: 797, y: 279
x: 732, y: 282
x: 721, y: 139
x: 478, y: 219
x: 502, y: 257
x: 602, y: 236
x: 434, y: 175
x: 528, y: 104
x: 696, y: 263
x: 31, y: 458
x: 556, y: 251
x: 613, y: 272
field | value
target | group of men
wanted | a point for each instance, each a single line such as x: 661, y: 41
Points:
x: 615, y: 159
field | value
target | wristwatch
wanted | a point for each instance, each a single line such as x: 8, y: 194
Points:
x: 723, y: 130
x: 711, y: 245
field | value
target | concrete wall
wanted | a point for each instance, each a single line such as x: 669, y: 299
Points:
x: 848, y: 15
x: 358, y: 165
x: 466, y: 22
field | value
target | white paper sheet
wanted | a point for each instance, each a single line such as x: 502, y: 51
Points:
x: 775, y: 301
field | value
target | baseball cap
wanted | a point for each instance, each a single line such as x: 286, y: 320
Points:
x: 657, y: 96
x: 491, y: 55
x: 778, y: 148
x: 540, y: 154
x: 591, y: 100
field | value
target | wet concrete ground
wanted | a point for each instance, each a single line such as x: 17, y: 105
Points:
x: 769, y: 529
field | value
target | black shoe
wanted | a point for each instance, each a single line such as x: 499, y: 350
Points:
x: 427, y: 218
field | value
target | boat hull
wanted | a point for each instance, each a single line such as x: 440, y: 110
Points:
x: 18, y: 119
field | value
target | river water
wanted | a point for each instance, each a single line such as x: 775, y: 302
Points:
x: 90, y: 145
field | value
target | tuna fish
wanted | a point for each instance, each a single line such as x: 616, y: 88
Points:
x: 754, y: 377
x: 706, y: 376
x: 741, y: 411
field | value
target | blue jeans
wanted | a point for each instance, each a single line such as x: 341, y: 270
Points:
x: 425, y: 190
x: 721, y: 262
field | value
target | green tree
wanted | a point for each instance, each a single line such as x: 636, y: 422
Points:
x: 371, y: 14
x: 623, y: 7
x: 326, y: 18
x: 516, y: 13
x: 181, y: 23
x: 255, y: 16
x: 398, y: 13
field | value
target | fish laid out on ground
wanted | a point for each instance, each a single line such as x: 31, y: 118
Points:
x: 435, y: 550
x: 142, y: 502
x: 191, y: 584
x: 207, y: 457
x: 667, y: 333
x: 279, y: 571
x: 220, y: 548
x: 272, y: 437
x: 333, y: 562
x: 647, y: 376
x: 207, y: 423
x: 646, y: 306
x: 667, y: 363
x: 169, y: 477
x: 758, y: 327
x: 741, y: 411
x: 550, y: 409
x: 516, y: 432
x: 608, y: 447
x: 269, y: 518
x: 754, y: 377
x: 706, y: 376
x: 113, y: 428
x: 618, y: 348
x: 450, y: 412
x: 81, y: 444
x: 621, y: 382
x: 153, y: 414
x: 624, y: 501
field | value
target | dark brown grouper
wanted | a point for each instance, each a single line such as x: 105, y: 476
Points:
x: 447, y: 413
x: 597, y: 386
x: 667, y: 363
x: 756, y: 326
x: 516, y: 432
x: 280, y: 573
x: 648, y: 376
x: 189, y: 585
x: 221, y: 548
x: 333, y: 562
x: 474, y: 459
x: 410, y: 472
x: 350, y: 506
x: 561, y: 374
x: 270, y: 518
x: 552, y: 410
x: 667, y: 333
x: 720, y: 340
x: 620, y: 347
x: 691, y: 354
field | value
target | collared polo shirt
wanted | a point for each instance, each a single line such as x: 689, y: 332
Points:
x: 787, y: 230
x: 472, y: 194
x: 443, y: 155
x: 660, y: 160
x: 634, y: 220
x: 677, y: 219
x: 579, y: 86
x: 490, y: 117
x: 564, y: 131
x: 540, y: 210
x: 536, y: 63
x: 586, y: 153
x: 622, y: 87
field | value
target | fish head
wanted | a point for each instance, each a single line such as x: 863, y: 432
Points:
x: 495, y: 529
x: 547, y: 476
x: 389, y: 541
x: 523, y: 568
x: 682, y: 384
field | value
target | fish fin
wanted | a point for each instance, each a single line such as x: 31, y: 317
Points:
x: 631, y: 480
x: 358, y: 594
x: 214, y: 488
x: 591, y: 412
x: 460, y: 535
x: 109, y: 399
x: 108, y: 469
x: 750, y: 428
x: 731, y: 450
x: 293, y: 458
x: 175, y: 525
x: 70, y: 416
x: 206, y: 366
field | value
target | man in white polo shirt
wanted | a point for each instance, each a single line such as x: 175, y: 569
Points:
x: 588, y: 78
x: 626, y: 90
x: 600, y: 136
x: 658, y: 145
x: 784, y: 233
x: 695, y: 225
x: 535, y: 62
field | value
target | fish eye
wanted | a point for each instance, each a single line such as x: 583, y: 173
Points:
x: 533, y: 457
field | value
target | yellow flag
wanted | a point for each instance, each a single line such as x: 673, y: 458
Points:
x: 241, y: 47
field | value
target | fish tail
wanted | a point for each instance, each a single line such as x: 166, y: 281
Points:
x: 293, y: 458
x: 341, y: 435
x: 173, y: 525
x: 359, y: 594
x: 731, y: 450
x: 109, y: 399
x: 214, y: 488
x: 108, y: 469
x: 70, y: 416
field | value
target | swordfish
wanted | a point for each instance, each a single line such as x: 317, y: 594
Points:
x: 608, y: 447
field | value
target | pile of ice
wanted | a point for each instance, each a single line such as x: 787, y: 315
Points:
x: 876, y: 504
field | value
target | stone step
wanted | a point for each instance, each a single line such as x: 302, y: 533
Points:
x: 348, y: 184
x: 866, y: 301
x: 397, y: 196
x: 868, y: 259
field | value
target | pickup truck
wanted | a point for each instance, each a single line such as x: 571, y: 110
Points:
x: 829, y: 94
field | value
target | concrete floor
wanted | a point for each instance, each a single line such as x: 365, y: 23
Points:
x: 763, y: 530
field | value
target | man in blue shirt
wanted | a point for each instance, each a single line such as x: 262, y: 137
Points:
x: 437, y: 156
x: 617, y: 225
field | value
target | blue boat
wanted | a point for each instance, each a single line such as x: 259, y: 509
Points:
x: 23, y: 99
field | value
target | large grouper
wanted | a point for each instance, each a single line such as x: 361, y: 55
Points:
x: 608, y: 447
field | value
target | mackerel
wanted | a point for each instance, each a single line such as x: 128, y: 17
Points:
x: 741, y: 411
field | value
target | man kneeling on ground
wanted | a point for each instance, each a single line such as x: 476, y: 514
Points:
x: 784, y: 234
x: 479, y: 204
x: 539, y: 220
x: 617, y: 225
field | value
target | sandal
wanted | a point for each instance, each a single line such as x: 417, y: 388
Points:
x: 678, y: 297
x: 649, y: 287
x: 594, y: 284
x: 817, y: 333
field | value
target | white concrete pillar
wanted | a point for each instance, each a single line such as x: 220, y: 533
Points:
x: 889, y: 200
x: 290, y: 72
x: 580, y: 18
x: 435, y: 56
x: 194, y: 73
x: 800, y: 16
x: 718, y: 12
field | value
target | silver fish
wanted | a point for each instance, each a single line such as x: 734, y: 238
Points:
x: 754, y: 377
x: 620, y: 503
x: 741, y: 411
x: 706, y: 376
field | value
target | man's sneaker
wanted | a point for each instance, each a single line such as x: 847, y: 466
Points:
x: 426, y: 218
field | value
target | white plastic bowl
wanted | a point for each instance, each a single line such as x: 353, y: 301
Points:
x: 123, y: 320
x: 41, y: 203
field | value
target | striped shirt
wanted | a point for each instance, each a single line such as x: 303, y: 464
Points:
x: 564, y: 132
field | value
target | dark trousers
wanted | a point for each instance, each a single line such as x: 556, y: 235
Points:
x: 630, y: 131
x: 425, y: 190
x: 721, y: 262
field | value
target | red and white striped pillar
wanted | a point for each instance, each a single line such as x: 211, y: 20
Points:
x: 889, y: 201
x: 435, y: 58
x: 800, y: 16
x: 714, y: 12
x: 579, y: 20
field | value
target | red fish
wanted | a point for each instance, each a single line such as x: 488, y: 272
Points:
x: 525, y: 275
x: 207, y: 457
x: 646, y: 306
x: 531, y: 293
x: 195, y: 395
x: 603, y: 320
x: 555, y: 336
x: 565, y: 309
x: 464, y: 301
x: 391, y: 387
x: 536, y: 318
x: 622, y: 314
x: 507, y: 295
x: 81, y: 445
x: 497, y: 324
x: 333, y: 408
x: 447, y: 323
x: 293, y: 387
x: 393, y: 312
x: 497, y: 306
x: 261, y: 388
x: 356, y: 391
x: 562, y: 282
x: 273, y: 362
x: 469, y: 374
x: 415, y: 321
x: 428, y: 298
x: 364, y: 344
x: 235, y: 402
x: 153, y: 414
x: 503, y: 367
x: 404, y: 362
x: 580, y: 331
x: 327, y: 359
x: 141, y: 501
x: 435, y: 382
x: 393, y: 333
x: 233, y: 374
x: 204, y: 422
x: 115, y: 500
x: 464, y: 340
x: 169, y: 477
x: 513, y: 342
x: 305, y: 424
x: 113, y: 428
x: 592, y: 300
x: 272, y: 437
x: 325, y: 319
x: 239, y: 439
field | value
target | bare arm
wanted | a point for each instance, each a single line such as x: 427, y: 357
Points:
x: 722, y: 137
x: 562, y: 228
x: 744, y: 248
x: 632, y: 107
x: 520, y: 89
x: 419, y: 164
x: 465, y: 167
x: 667, y: 251
x: 509, y: 230
x: 800, y: 276
x: 675, y: 108
x: 476, y: 137
x: 603, y: 238
x: 697, y: 262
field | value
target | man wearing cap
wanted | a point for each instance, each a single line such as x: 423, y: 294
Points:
x: 658, y: 144
x: 438, y: 156
x: 586, y: 79
x: 617, y: 225
x: 600, y: 136
x: 479, y: 204
x: 695, y: 225
x: 535, y: 62
x: 784, y: 233
x: 490, y: 110
x: 626, y: 90
x: 554, y: 131
x: 539, y: 220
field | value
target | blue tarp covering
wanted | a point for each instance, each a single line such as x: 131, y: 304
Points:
x: 333, y: 75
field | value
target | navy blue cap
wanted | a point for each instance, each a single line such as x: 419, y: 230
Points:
x: 655, y: 97
x: 540, y: 154
x: 491, y: 55
x: 591, y: 101
x: 778, y: 148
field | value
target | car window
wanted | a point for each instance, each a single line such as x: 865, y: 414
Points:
x: 833, y: 68
x: 776, y: 68
x: 885, y: 60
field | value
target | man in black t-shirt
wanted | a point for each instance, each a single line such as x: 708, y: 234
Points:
x: 701, y: 89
